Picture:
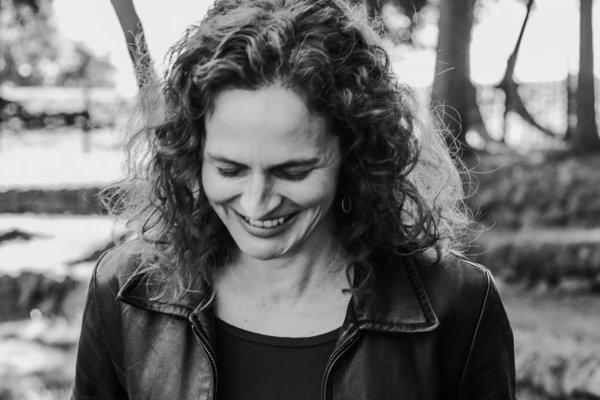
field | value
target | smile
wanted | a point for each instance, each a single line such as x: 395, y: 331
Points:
x: 266, y: 227
x: 269, y: 223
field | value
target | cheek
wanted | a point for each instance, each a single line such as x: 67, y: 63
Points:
x: 216, y: 188
x: 317, y: 192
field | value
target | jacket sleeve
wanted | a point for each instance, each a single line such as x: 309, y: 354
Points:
x: 489, y: 372
x: 96, y: 373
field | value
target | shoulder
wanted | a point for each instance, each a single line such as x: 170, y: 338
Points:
x: 475, y: 335
x: 131, y: 274
x: 116, y: 266
x: 472, y: 317
x: 455, y: 275
x: 102, y: 314
x: 458, y: 288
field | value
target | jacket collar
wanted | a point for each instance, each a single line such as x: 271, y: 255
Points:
x: 391, y: 299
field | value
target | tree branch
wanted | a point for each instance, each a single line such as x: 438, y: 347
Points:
x: 136, y: 41
x: 513, y: 101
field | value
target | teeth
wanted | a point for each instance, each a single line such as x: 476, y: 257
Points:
x: 266, y: 224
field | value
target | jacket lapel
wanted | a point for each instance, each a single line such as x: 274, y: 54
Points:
x: 392, y: 298
x: 144, y: 291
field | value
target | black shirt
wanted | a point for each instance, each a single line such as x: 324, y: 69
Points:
x: 252, y: 366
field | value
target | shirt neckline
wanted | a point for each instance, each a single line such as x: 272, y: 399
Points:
x: 277, y: 341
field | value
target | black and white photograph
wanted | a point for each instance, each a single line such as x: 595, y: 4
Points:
x: 300, y: 199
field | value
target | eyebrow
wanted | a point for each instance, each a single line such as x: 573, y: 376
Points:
x: 298, y: 162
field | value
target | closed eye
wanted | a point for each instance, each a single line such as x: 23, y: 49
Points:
x: 293, y: 170
x: 292, y: 174
x: 229, y: 172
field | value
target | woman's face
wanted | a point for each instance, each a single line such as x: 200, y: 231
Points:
x: 270, y: 171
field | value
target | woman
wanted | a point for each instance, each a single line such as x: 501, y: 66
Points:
x: 297, y: 229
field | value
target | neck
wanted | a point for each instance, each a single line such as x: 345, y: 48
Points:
x: 297, y: 295
x: 316, y: 271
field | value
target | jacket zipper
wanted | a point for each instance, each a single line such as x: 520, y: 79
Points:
x: 203, y: 343
x: 332, y: 360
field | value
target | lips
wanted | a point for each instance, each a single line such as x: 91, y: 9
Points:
x: 266, y: 227
x: 269, y: 223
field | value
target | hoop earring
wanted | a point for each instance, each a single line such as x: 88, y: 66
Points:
x: 346, y: 204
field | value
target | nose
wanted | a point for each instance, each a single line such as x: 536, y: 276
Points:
x: 259, y: 198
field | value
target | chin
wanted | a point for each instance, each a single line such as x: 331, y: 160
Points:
x: 261, y: 252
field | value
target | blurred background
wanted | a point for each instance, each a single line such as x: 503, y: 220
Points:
x: 515, y: 81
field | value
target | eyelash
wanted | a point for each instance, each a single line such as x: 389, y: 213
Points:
x: 228, y: 173
x: 231, y: 173
x: 294, y: 177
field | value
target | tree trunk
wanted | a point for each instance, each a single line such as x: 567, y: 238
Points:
x: 585, y: 138
x: 570, y: 87
x: 453, y: 95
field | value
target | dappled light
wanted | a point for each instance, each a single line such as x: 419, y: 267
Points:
x: 530, y: 161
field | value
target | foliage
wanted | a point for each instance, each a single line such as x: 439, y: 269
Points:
x: 515, y: 194
x: 84, y: 69
x: 27, y: 46
x: 400, y: 17
x: 542, y: 219
x: 556, y: 342
x: 33, y: 54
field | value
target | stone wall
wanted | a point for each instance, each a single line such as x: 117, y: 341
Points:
x: 60, y: 201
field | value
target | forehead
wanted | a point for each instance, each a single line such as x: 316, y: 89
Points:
x: 269, y: 122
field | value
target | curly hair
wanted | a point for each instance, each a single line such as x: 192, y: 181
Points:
x: 405, y: 190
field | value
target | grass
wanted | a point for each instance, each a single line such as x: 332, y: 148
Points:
x: 557, y: 341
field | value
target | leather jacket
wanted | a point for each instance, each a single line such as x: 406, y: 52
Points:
x: 412, y: 331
